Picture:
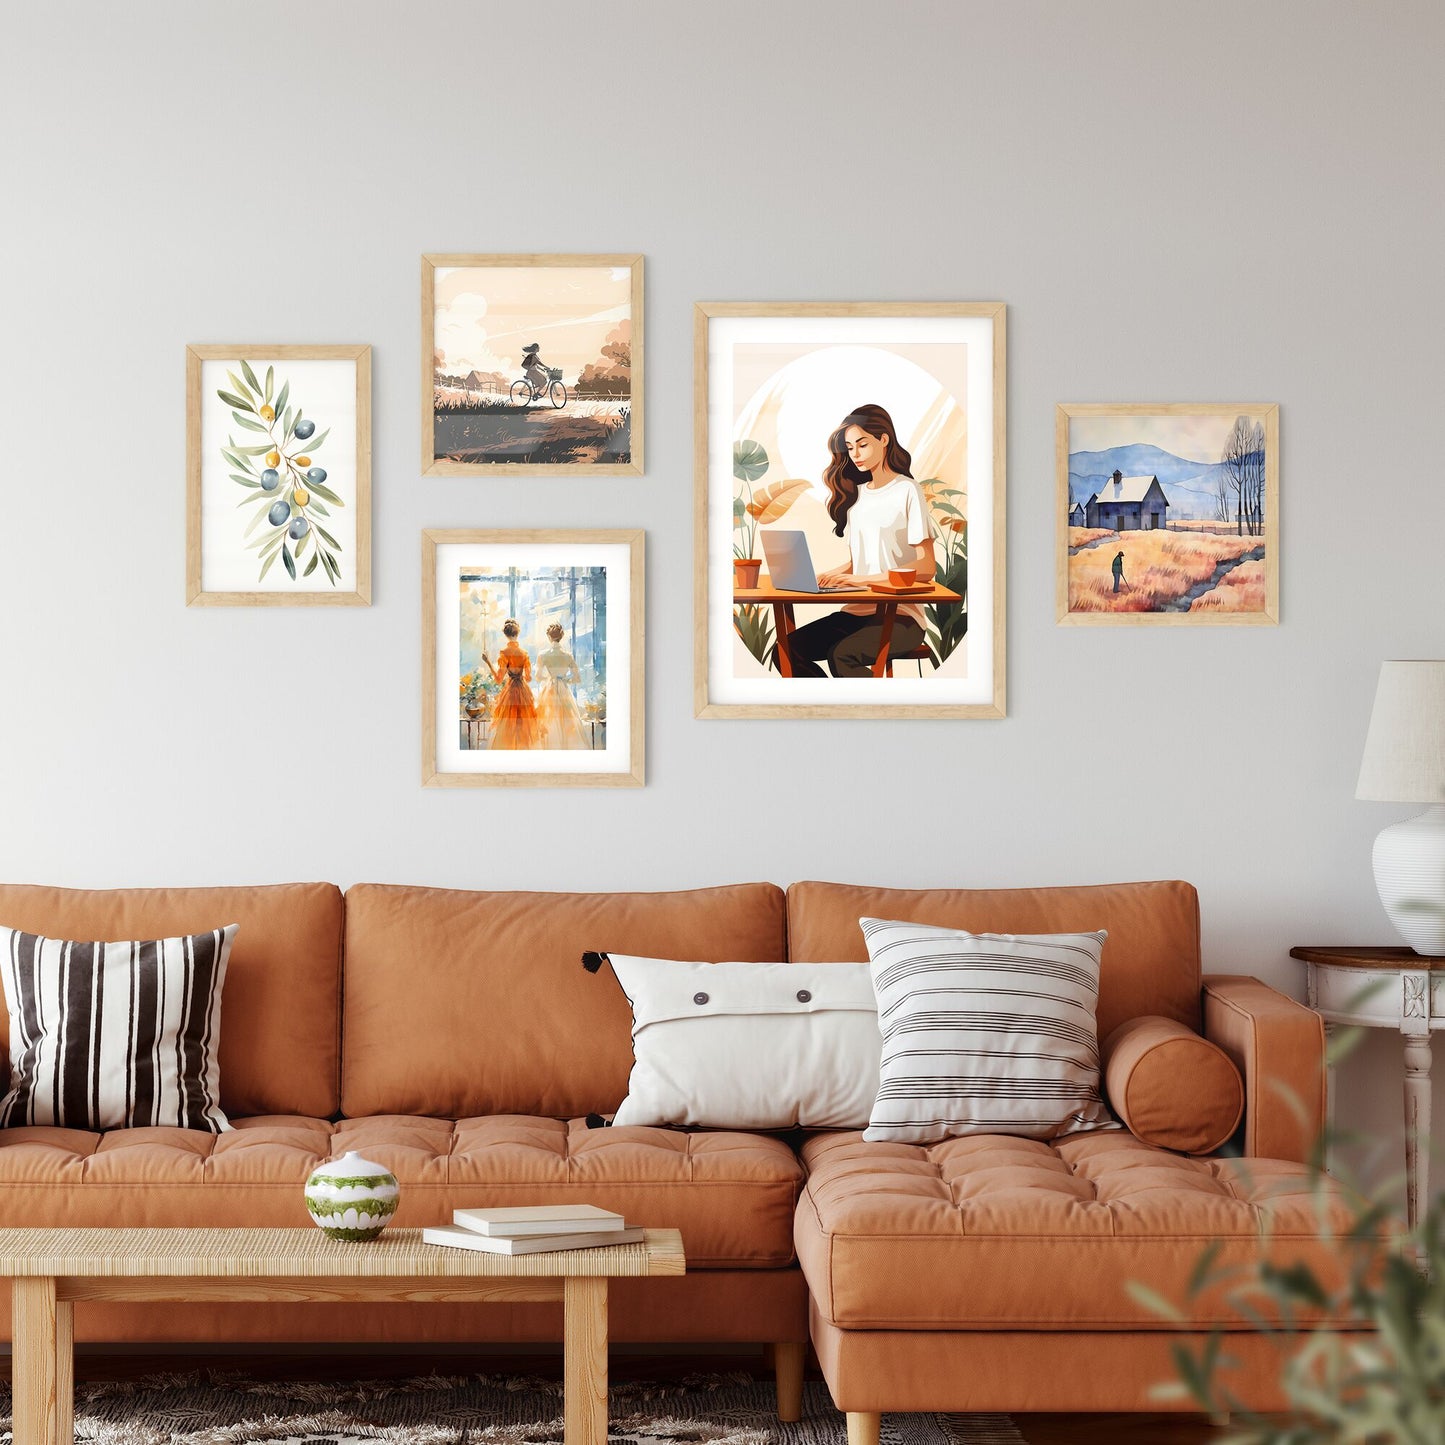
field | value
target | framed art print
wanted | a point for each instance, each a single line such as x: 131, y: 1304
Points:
x: 849, y: 509
x: 1168, y: 514
x: 531, y: 363
x: 278, y: 475
x: 532, y: 659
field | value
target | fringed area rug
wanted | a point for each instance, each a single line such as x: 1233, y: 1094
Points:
x: 212, y: 1408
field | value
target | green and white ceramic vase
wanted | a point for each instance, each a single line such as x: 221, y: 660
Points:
x: 351, y: 1198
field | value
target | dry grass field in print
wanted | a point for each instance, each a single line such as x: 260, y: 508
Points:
x: 1163, y: 571
x: 1242, y: 590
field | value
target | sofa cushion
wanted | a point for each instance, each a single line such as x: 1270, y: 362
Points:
x: 731, y: 1195
x: 996, y: 1232
x: 1151, y: 961
x: 465, y: 1004
x: 1171, y: 1087
x: 282, y: 1014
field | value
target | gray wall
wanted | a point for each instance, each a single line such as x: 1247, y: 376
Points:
x: 1178, y: 201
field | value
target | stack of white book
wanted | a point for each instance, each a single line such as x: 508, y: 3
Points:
x: 533, y: 1229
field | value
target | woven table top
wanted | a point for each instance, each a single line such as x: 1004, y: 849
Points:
x: 308, y: 1254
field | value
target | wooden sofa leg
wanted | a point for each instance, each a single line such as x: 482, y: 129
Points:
x: 863, y: 1427
x: 788, y: 1360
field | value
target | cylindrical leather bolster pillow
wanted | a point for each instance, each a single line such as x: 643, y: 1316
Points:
x: 1171, y: 1087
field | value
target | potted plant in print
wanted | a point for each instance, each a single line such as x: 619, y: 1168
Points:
x: 286, y: 487
x: 750, y: 511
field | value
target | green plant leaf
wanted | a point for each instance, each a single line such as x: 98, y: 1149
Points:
x: 267, y: 565
x: 287, y: 417
x: 250, y: 376
x: 247, y: 423
x: 289, y: 560
x: 316, y: 507
x: 311, y: 565
x: 270, y: 377
x: 237, y: 459
x: 240, y: 387
x: 281, y: 400
x: 312, y: 443
x: 750, y: 460
x: 245, y: 482
x: 231, y: 399
x: 255, y: 522
x: 255, y: 451
x: 322, y: 490
x: 327, y: 535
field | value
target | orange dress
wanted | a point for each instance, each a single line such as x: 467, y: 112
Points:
x: 514, y: 713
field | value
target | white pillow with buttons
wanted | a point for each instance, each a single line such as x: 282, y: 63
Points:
x: 750, y: 1045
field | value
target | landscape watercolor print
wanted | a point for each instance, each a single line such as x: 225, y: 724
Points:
x: 1168, y: 514
x: 531, y: 363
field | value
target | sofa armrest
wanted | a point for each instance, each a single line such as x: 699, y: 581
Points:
x: 1278, y: 1046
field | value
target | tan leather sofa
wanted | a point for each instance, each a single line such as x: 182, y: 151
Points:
x: 454, y: 1037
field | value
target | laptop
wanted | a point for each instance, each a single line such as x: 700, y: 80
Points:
x: 790, y: 563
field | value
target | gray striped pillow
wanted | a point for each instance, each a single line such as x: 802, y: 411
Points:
x: 984, y: 1033
x: 115, y: 1035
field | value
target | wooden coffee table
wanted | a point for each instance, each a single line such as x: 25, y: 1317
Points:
x: 50, y: 1269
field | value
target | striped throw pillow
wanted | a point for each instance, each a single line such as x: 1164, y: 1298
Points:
x: 114, y: 1035
x: 984, y: 1033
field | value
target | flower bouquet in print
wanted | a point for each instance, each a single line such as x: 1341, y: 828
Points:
x: 278, y: 475
x: 286, y: 487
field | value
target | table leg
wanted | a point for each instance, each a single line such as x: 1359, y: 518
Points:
x: 887, y: 611
x: 1417, y: 1124
x: 584, y: 1401
x: 65, y: 1372
x: 783, y: 625
x: 34, y: 1361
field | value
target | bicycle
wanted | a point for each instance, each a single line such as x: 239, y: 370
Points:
x: 524, y: 393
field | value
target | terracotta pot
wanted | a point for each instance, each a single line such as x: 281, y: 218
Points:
x: 745, y: 571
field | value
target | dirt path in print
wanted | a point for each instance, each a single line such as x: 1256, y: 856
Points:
x: 1185, y: 600
x: 1089, y: 546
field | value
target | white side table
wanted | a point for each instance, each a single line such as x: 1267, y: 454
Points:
x: 1387, y: 988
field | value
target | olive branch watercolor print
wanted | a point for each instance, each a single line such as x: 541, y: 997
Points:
x: 288, y: 492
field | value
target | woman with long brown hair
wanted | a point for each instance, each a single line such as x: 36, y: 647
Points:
x: 874, y: 502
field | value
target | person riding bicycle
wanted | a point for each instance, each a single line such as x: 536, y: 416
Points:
x: 535, y: 369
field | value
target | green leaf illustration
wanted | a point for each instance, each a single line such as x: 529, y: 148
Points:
x: 314, y: 444
x: 289, y: 560
x: 327, y: 535
x: 311, y: 565
x: 270, y: 377
x: 318, y: 508
x: 322, y: 490
x: 244, y: 481
x: 750, y: 461
x: 247, y: 423
x: 254, y: 451
x: 255, y: 522
x: 231, y: 399
x: 281, y: 400
x: 267, y: 566
x: 236, y: 458
x: 250, y: 376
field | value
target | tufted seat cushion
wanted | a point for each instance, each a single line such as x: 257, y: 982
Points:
x: 994, y: 1232
x: 732, y: 1195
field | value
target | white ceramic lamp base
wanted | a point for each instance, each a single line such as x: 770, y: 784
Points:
x: 1410, y: 874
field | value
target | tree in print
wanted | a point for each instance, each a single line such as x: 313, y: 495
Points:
x: 284, y: 486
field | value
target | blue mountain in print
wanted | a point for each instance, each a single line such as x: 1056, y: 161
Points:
x: 1189, y: 485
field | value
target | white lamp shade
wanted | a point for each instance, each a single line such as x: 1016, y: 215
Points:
x: 1404, y: 758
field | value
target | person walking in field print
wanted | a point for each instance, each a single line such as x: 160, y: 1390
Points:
x: 1119, y: 571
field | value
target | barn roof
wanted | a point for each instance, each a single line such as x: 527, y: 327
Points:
x: 1126, y: 489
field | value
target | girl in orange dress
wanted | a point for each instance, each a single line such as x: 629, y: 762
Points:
x: 514, y: 713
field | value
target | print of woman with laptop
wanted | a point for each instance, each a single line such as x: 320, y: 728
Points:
x: 874, y: 502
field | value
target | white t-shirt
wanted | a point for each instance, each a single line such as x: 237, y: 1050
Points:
x: 886, y: 527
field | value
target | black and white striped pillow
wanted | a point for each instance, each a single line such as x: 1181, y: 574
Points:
x: 115, y: 1035
x: 984, y: 1033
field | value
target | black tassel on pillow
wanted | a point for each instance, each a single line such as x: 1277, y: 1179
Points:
x: 593, y: 961
x: 596, y: 1121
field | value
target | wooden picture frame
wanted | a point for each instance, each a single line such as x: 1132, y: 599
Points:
x: 217, y: 477
x: 982, y: 397
x: 1211, y: 570
x: 526, y: 433
x: 541, y: 765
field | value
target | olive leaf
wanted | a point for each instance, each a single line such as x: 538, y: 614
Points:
x: 249, y: 375
x: 318, y: 508
x: 322, y: 490
x: 327, y: 535
x: 311, y: 565
x: 281, y: 400
x: 231, y: 399
x: 270, y: 377
x: 267, y: 566
x: 314, y: 443
x: 248, y: 424
x: 244, y: 481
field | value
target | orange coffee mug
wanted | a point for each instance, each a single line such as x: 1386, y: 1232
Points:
x: 902, y: 576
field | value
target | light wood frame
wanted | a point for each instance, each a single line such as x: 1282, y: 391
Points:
x: 196, y: 596
x: 1266, y: 412
x: 703, y: 311
x: 434, y: 466
x: 430, y: 775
